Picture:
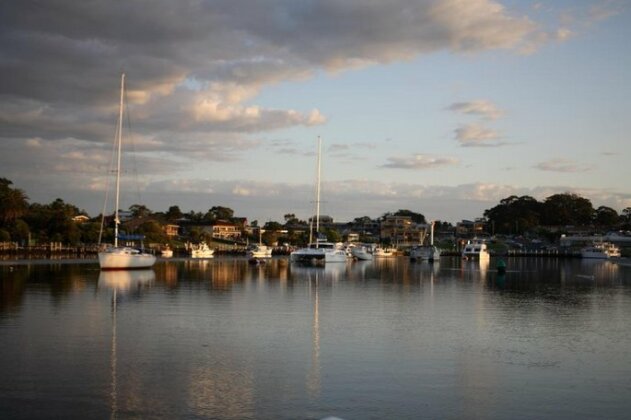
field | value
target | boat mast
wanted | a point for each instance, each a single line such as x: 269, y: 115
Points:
x: 431, y: 233
x: 119, y: 140
x: 318, y: 191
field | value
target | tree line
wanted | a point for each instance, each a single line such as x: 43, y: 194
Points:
x: 24, y: 222
x: 516, y: 215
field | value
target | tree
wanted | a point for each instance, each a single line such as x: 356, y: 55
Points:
x: 606, y: 216
x: 362, y: 220
x: 514, y: 214
x: 153, y: 232
x: 174, y: 213
x: 139, y: 211
x: 332, y: 235
x: 219, y: 213
x: 567, y: 209
x: 13, y: 203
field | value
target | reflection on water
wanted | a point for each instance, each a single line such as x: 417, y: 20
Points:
x: 373, y: 339
x: 121, y: 282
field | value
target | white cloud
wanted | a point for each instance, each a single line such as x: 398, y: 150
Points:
x: 562, y: 165
x: 419, y: 162
x: 476, y: 135
x: 482, y: 108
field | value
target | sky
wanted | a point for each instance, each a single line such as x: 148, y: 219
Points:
x: 442, y: 107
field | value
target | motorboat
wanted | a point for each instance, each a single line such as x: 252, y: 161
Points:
x: 259, y: 251
x: 600, y: 250
x: 476, y: 250
x: 201, y: 250
x: 166, y: 252
x: 122, y: 257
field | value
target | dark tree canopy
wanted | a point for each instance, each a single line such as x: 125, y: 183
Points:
x: 567, y: 209
x: 219, y: 213
x: 416, y: 217
x: 514, y: 214
x: 606, y: 216
x: 13, y: 203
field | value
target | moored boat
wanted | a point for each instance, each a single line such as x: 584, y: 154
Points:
x: 201, y: 250
x: 362, y: 253
x: 122, y: 257
x: 166, y: 252
x: 259, y: 251
x: 600, y: 250
x: 476, y: 250
x: 320, y: 251
x: 425, y: 253
x: 381, y: 252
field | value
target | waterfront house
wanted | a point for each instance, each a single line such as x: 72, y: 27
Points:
x: 401, y: 230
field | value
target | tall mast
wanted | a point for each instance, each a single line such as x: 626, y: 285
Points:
x: 318, y: 190
x: 119, y: 141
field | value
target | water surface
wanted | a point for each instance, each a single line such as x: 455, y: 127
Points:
x: 387, y: 339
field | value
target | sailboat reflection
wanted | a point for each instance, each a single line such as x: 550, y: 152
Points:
x: 313, y: 376
x: 126, y: 280
x: 121, y: 283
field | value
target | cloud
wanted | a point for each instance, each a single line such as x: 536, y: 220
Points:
x: 202, y: 70
x: 475, y: 135
x: 562, y: 165
x: 419, y: 162
x: 482, y: 108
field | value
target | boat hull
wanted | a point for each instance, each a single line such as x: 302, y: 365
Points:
x: 361, y: 254
x: 125, y: 260
x: 426, y: 253
x: 259, y: 252
x: 317, y: 256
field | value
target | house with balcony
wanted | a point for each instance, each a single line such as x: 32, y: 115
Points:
x: 402, y: 231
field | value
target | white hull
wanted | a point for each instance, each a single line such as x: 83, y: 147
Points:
x: 125, y: 258
x: 318, y: 255
x: 476, y: 251
x: 261, y: 251
x: 200, y: 251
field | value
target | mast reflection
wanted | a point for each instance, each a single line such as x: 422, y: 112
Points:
x: 121, y: 283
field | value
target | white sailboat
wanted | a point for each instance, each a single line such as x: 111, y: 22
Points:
x: 318, y: 251
x: 122, y: 257
x: 426, y: 252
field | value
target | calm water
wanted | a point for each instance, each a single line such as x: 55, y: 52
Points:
x: 384, y: 340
